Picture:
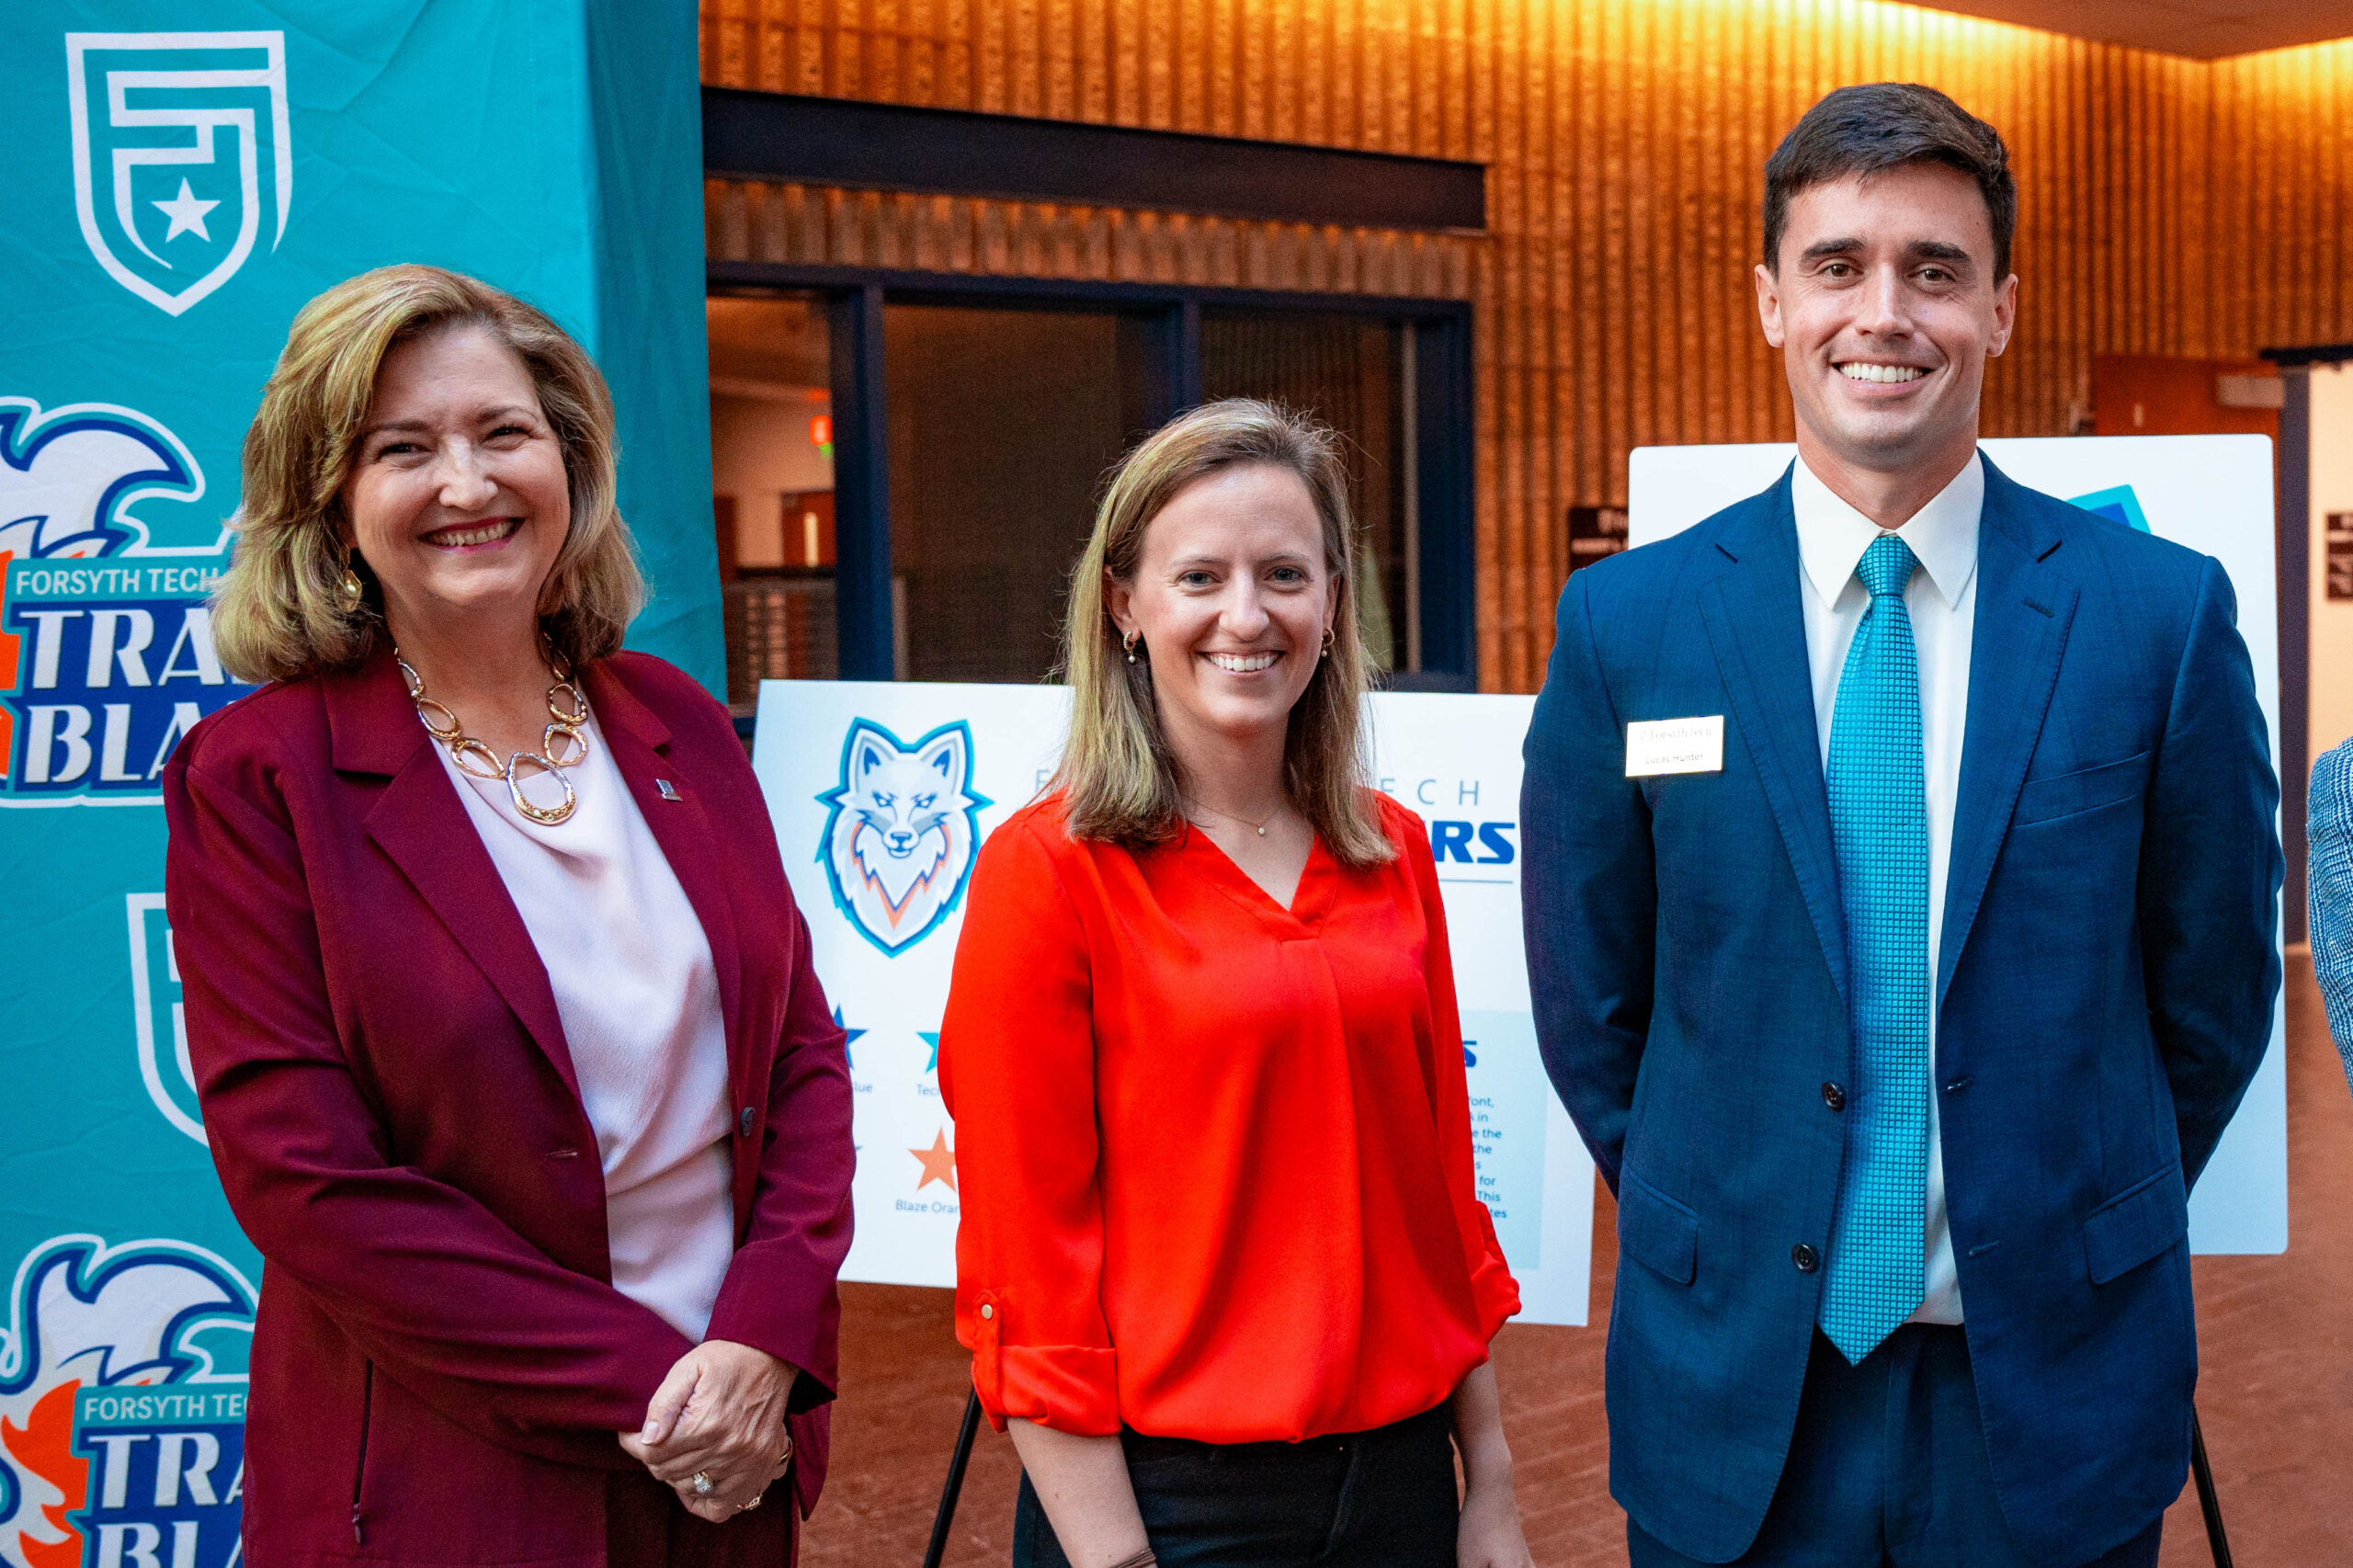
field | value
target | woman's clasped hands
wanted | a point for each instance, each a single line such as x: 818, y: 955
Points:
x: 714, y: 1430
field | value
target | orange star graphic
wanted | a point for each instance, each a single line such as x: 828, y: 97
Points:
x: 939, y: 1162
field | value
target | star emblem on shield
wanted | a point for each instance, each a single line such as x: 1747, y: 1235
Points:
x: 182, y: 156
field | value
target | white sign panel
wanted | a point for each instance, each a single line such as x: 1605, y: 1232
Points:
x: 885, y: 905
x: 1455, y: 760
x: 2211, y: 493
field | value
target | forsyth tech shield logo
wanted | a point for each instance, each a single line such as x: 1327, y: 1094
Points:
x: 159, y: 1021
x: 181, y: 153
x: 900, y: 837
x: 122, y: 1405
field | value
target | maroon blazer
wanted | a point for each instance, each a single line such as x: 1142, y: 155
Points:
x: 441, y: 1361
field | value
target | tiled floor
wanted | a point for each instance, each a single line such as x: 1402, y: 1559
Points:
x: 2276, y: 1336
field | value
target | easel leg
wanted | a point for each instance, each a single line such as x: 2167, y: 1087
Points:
x: 946, y: 1519
x: 2209, y: 1504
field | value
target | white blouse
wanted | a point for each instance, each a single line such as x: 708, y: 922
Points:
x: 639, y: 1000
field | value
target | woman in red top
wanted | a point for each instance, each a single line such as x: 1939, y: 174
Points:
x: 1221, y: 1266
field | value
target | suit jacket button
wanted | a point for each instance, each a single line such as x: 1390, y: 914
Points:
x: 1805, y: 1257
x: 1834, y: 1096
x: 743, y: 1123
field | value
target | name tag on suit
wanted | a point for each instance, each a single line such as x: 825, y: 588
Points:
x: 1654, y: 746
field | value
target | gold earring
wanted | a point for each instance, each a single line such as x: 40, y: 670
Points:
x: 354, y: 592
x: 1129, y: 644
x: 1327, y: 651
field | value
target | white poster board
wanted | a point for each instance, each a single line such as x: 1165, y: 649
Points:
x: 885, y: 939
x: 2211, y: 493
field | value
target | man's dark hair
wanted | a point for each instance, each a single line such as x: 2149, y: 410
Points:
x: 1885, y: 125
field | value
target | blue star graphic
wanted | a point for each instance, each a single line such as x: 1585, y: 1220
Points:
x: 849, y: 1037
x: 932, y: 1041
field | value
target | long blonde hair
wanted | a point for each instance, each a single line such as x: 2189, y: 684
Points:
x: 1119, y: 781
x: 279, y: 613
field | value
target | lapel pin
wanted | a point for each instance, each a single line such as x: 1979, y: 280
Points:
x: 669, y: 790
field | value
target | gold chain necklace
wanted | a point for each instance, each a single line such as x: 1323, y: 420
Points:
x: 561, y: 743
x: 1258, y: 828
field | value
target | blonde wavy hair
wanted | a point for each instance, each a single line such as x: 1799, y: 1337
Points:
x: 279, y: 613
x: 1119, y: 781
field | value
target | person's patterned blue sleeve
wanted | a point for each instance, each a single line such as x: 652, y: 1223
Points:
x: 2329, y: 826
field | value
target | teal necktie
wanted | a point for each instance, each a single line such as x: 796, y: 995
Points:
x: 1879, y: 823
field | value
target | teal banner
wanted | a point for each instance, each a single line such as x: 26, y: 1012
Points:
x: 186, y: 174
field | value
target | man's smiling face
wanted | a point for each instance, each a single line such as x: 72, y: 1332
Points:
x: 1885, y: 307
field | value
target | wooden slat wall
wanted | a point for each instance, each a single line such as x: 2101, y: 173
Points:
x: 2168, y: 206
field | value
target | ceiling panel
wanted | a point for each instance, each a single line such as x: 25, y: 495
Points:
x: 2205, y: 29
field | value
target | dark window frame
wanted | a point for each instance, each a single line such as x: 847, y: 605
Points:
x: 855, y: 297
x: 849, y: 143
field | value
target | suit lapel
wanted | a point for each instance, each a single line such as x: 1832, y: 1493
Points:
x: 1756, y: 629
x: 422, y: 825
x: 2024, y: 610
x: 641, y: 750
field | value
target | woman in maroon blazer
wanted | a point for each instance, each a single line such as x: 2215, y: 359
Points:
x: 502, y: 1015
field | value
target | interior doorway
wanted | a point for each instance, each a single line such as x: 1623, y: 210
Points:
x: 2316, y: 482
x: 2147, y: 394
x: 772, y: 488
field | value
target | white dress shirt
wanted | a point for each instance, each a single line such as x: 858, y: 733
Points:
x: 638, y: 997
x: 1942, y: 603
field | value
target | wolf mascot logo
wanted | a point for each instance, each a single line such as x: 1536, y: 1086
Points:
x: 123, y: 1402
x: 902, y: 830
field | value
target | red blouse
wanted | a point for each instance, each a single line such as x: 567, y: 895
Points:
x: 1214, y: 1154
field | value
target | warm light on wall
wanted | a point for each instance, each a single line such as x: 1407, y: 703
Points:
x: 2167, y: 205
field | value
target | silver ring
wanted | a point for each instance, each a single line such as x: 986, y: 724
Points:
x: 701, y: 1484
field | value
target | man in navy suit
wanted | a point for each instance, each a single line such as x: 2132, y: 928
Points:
x: 1901, y: 889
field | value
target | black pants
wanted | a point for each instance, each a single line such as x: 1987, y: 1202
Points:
x: 1384, y: 1497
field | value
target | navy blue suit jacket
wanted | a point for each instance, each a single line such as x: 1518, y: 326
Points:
x: 2105, y: 984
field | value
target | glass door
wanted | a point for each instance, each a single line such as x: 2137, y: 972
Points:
x: 1356, y: 374
x: 906, y: 466
x: 1002, y: 422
